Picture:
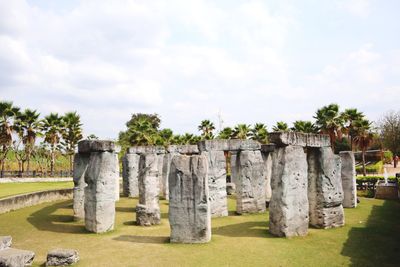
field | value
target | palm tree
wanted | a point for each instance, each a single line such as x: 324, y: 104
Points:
x: 241, y: 131
x: 330, y: 121
x: 349, y: 116
x: 207, y: 128
x: 304, y: 127
x: 71, y: 134
x: 259, y: 133
x: 280, y: 127
x: 52, y: 126
x: 142, y: 132
x: 166, y: 136
x: 226, y: 133
x: 8, y: 113
x: 363, y: 137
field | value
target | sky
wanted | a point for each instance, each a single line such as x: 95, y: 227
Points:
x: 228, y: 61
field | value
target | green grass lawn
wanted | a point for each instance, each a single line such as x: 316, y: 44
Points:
x: 371, y: 237
x: 10, y: 189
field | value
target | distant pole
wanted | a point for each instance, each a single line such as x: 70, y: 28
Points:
x: 220, y: 120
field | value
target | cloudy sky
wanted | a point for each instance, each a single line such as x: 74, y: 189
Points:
x: 249, y: 61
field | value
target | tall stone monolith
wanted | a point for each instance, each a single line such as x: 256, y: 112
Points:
x: 349, y: 183
x: 130, y: 174
x: 81, y: 162
x: 189, y: 204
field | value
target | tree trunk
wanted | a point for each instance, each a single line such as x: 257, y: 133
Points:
x: 52, y: 162
x: 70, y: 163
x: 2, y: 168
x: 363, y: 162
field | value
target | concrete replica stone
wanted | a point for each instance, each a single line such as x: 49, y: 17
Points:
x: 146, y: 150
x: 230, y: 188
x: 217, y: 182
x: 100, y: 177
x: 5, y: 242
x: 148, y: 209
x: 183, y: 149
x: 325, y: 191
x: 387, y: 191
x: 189, y: 204
x: 62, y: 257
x: 87, y: 146
x: 299, y: 139
x: 163, y: 185
x: 250, y: 186
x: 130, y: 175
x: 12, y: 257
x: 348, y: 174
x: 80, y: 166
x: 288, y: 209
x: 267, y: 158
x: 267, y: 148
x: 234, y: 174
x: 117, y: 184
x: 228, y: 145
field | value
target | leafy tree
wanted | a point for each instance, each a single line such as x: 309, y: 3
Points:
x: 259, y: 133
x: 92, y: 137
x: 226, y: 133
x: 241, y: 131
x: 8, y: 113
x: 389, y: 126
x: 349, y: 116
x: 52, y: 127
x: 142, y: 130
x: 166, y: 136
x: 72, y: 134
x: 330, y: 121
x: 363, y: 138
x: 207, y: 128
x: 280, y: 127
x: 304, y: 127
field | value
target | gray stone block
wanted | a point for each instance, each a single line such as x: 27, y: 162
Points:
x: 87, y: 146
x: 167, y: 158
x: 267, y: 158
x: 349, y: 183
x: 189, y: 205
x: 12, y: 257
x: 288, y: 208
x: 81, y: 162
x: 130, y: 175
x: 183, y: 149
x: 268, y: 148
x: 228, y: 145
x: 299, y: 139
x: 230, y: 188
x: 5, y: 242
x: 62, y: 257
x: 250, y: 185
x: 146, y: 150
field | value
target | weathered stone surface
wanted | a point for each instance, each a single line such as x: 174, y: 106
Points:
x: 234, y: 174
x: 349, y: 184
x: 267, y: 148
x: 5, y: 242
x: 299, y: 139
x: 148, y: 209
x: 62, y: 257
x: 189, y: 205
x: 183, y: 149
x: 130, y: 175
x: 165, y: 174
x: 87, y: 146
x: 230, y: 188
x: 217, y: 182
x: 117, y: 183
x: 12, y: 257
x: 81, y: 162
x: 288, y: 208
x: 386, y: 191
x: 100, y: 177
x: 146, y: 150
x: 324, y: 188
x: 228, y: 145
x: 162, y: 185
x: 250, y: 186
x: 267, y: 157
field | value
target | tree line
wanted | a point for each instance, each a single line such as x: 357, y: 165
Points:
x: 21, y: 129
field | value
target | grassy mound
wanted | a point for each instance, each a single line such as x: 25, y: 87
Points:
x: 10, y: 189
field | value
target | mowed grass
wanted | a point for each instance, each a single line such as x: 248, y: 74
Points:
x: 371, y: 237
x: 10, y: 189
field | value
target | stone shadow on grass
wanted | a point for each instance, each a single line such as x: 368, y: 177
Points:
x: 378, y: 243
x: 246, y: 229
x: 143, y: 239
x: 125, y: 209
x: 45, y: 220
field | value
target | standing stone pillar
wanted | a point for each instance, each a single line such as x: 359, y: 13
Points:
x: 81, y: 161
x: 162, y: 184
x: 250, y: 186
x: 288, y: 209
x: 325, y: 192
x: 100, y: 176
x: 148, y: 208
x: 189, y: 204
x: 117, y: 186
x: 349, y: 183
x: 267, y: 151
x: 130, y: 174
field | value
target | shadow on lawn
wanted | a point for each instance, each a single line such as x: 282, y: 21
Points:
x: 246, y: 229
x: 45, y: 220
x: 143, y: 239
x: 377, y: 244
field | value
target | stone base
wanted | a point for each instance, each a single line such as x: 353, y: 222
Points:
x: 331, y: 217
x: 62, y: 257
x: 389, y: 191
x: 12, y: 257
x: 146, y: 216
x: 5, y: 242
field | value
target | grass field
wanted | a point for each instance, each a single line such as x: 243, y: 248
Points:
x: 10, y: 189
x: 371, y: 237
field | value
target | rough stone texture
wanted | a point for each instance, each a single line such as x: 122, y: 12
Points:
x: 288, y: 208
x: 183, y: 149
x: 130, y: 174
x: 386, y: 191
x: 100, y: 177
x: 81, y: 162
x: 217, y: 182
x: 267, y: 157
x: 189, y: 205
x: 250, y: 186
x: 146, y: 150
x: 162, y: 184
x: 87, y: 146
x: 62, y: 257
x: 325, y: 192
x: 230, y: 188
x: 5, y: 242
x: 165, y: 174
x: 12, y: 257
x: 117, y: 184
x: 349, y: 184
x: 233, y: 167
x: 299, y: 139
x: 148, y: 209
x: 228, y: 145
x: 268, y: 148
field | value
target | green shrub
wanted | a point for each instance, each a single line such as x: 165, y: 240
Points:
x: 387, y: 157
x: 373, y: 168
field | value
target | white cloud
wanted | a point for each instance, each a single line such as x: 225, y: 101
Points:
x: 359, y: 8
